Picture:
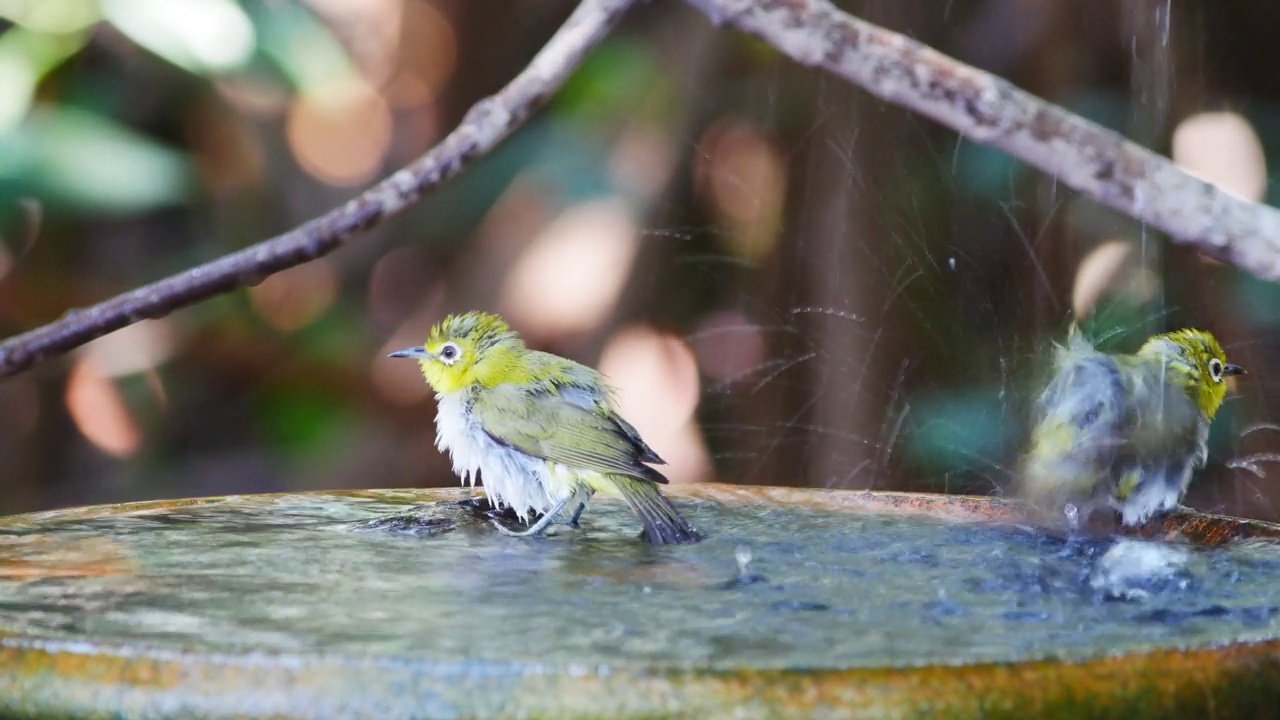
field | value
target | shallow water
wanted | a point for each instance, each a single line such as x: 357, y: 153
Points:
x: 772, y: 587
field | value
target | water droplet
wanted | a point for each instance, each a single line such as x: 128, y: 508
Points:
x: 1073, y: 517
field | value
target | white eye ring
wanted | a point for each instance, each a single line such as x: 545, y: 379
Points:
x: 449, y: 353
x: 1215, y: 369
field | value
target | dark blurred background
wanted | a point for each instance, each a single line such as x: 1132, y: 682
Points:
x: 790, y: 282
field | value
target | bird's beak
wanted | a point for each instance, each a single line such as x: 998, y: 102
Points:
x: 1230, y: 369
x: 420, y: 353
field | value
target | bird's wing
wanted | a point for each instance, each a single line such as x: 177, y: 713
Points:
x: 1089, y: 396
x: 646, y: 453
x: 582, y: 390
x: 1082, y: 426
x: 546, y: 424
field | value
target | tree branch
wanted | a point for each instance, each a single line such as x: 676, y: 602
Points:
x: 485, y: 125
x: 1085, y: 156
x: 1082, y: 154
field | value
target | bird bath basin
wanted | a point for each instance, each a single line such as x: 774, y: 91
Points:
x: 815, y: 603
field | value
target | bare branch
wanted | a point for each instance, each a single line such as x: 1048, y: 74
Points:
x: 1082, y: 154
x: 487, y: 124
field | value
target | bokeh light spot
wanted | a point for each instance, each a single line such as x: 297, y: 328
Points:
x: 293, y: 299
x: 134, y: 349
x: 744, y: 177
x: 1222, y: 148
x: 570, y: 276
x: 642, y: 160
x: 1097, y: 274
x: 656, y: 377
x: 369, y: 30
x: 728, y: 346
x: 339, y: 132
x: 428, y: 55
x: 98, y: 410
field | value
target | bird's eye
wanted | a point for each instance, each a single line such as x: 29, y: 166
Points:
x: 449, y: 353
x: 1215, y: 369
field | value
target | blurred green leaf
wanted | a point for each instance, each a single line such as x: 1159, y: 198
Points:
x: 90, y: 163
x: 339, y: 336
x: 1108, y: 108
x: 25, y: 57
x: 1119, y: 325
x: 1257, y: 300
x: 302, y: 46
x: 985, y: 171
x: 960, y: 430
x: 55, y: 17
x: 303, y: 421
x: 200, y: 36
x: 620, y: 79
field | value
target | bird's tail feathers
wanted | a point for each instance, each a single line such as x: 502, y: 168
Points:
x: 663, y: 524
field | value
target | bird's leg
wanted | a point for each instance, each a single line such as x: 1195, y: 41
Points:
x: 583, y: 496
x: 539, y: 527
x: 573, y: 521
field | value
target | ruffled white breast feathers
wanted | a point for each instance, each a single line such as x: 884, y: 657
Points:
x: 511, y: 478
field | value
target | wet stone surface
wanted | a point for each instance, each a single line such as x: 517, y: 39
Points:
x: 774, y: 586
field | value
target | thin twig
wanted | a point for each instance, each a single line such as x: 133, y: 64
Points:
x: 986, y: 109
x: 484, y: 126
x: 1085, y: 156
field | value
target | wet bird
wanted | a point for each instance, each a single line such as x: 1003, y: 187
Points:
x: 1125, y: 431
x: 539, y: 430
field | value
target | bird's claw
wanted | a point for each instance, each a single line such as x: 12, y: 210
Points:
x: 531, y: 532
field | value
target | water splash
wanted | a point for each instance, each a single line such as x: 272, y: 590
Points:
x: 1134, y: 569
x: 1253, y: 463
x: 775, y: 585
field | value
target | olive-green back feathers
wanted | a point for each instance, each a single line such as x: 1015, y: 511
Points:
x: 545, y: 423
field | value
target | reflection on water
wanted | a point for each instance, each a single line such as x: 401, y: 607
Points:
x: 771, y: 587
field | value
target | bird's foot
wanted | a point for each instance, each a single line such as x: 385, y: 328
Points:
x: 538, y: 528
x: 573, y: 521
x: 535, y: 531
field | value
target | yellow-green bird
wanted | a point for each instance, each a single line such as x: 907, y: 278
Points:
x: 1126, y: 431
x: 539, y: 430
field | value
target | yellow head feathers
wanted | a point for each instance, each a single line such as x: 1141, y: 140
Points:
x: 462, y: 350
x: 1197, y: 363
